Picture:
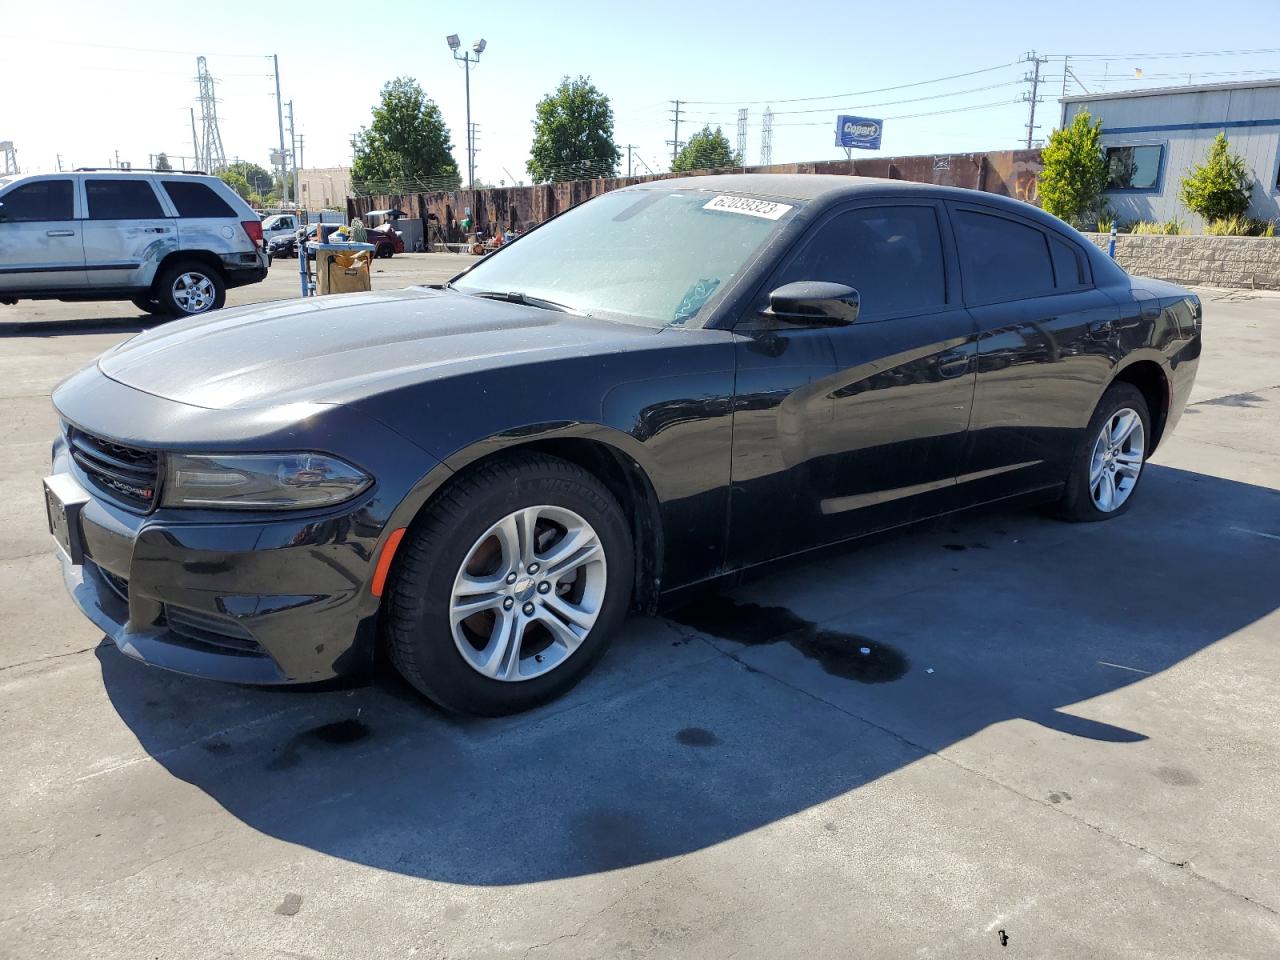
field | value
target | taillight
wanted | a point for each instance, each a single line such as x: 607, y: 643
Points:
x: 254, y: 229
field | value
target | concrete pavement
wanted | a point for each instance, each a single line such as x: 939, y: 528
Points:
x: 1063, y: 742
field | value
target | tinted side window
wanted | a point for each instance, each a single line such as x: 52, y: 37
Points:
x: 1068, y: 267
x: 891, y: 255
x: 41, y: 200
x: 121, y: 200
x: 194, y: 199
x: 1001, y: 259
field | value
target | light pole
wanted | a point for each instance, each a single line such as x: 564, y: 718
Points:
x: 467, y: 60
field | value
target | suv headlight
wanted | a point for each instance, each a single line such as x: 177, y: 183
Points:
x: 260, y: 481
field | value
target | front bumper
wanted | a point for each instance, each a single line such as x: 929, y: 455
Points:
x: 285, y: 601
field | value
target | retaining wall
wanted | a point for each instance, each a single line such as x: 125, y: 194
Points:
x: 1237, y: 262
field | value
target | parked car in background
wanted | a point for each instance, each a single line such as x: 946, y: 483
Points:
x: 286, y: 246
x: 289, y: 222
x: 663, y: 386
x: 386, y: 239
x: 170, y: 242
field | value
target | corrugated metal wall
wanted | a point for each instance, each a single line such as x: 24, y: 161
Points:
x: 1166, y: 119
x: 1011, y: 173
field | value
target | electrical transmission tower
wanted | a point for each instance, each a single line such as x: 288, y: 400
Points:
x: 211, y: 157
x: 766, y: 137
x: 1033, y: 97
x: 742, y: 135
x: 9, y: 156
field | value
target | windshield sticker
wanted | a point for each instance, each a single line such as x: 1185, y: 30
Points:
x: 693, y: 300
x: 766, y: 209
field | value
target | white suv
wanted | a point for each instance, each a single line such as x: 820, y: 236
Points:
x: 170, y: 242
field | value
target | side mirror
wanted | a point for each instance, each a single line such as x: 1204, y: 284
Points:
x: 815, y: 302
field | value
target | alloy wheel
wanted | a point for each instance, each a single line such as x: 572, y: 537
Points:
x: 528, y: 593
x: 1117, y: 459
x: 193, y: 292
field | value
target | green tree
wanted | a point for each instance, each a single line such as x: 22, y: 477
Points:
x: 162, y: 162
x: 1075, y: 171
x: 406, y: 142
x: 1220, y: 187
x: 236, y: 181
x: 259, y: 180
x: 706, y: 150
x: 573, y: 134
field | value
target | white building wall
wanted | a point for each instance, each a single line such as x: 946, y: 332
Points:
x: 1186, y: 122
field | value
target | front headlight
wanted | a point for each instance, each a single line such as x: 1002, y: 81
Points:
x: 260, y: 481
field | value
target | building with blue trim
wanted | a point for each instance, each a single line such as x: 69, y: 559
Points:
x: 1153, y: 137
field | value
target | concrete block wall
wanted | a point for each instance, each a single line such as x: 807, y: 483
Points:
x: 1237, y: 262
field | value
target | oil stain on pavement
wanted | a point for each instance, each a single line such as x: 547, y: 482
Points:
x: 846, y: 655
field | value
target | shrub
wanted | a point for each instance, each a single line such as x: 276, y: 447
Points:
x: 1105, y: 223
x: 1075, y: 171
x: 1170, y: 227
x: 1220, y: 187
x: 1238, y: 226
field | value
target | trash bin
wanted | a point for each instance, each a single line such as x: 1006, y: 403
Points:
x: 342, y: 267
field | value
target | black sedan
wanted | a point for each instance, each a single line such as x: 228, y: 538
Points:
x: 660, y: 388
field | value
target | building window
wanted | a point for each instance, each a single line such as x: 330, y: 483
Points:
x: 1134, y: 167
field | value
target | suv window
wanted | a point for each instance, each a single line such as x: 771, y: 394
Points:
x: 195, y: 199
x: 1002, y: 259
x: 122, y: 200
x: 891, y: 255
x: 1068, y: 268
x: 41, y: 200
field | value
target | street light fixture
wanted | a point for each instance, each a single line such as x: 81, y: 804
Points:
x: 467, y: 60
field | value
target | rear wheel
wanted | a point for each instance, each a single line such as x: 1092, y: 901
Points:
x: 188, y: 289
x: 507, y: 589
x: 385, y: 251
x: 1108, y: 465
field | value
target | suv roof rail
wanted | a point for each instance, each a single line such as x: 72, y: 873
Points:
x: 201, y: 173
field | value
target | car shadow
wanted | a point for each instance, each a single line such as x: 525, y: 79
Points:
x: 59, y: 328
x: 685, y: 737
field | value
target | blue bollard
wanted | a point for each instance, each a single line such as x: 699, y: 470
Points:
x: 1111, y: 250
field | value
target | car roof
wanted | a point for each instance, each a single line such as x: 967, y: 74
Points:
x: 821, y: 189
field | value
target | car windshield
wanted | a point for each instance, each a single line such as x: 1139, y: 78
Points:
x: 656, y: 256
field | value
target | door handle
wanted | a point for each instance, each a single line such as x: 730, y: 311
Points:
x: 954, y: 364
x: 155, y: 230
x: 1102, y: 329
x: 59, y: 233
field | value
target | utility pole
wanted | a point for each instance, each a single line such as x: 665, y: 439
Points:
x: 675, y: 136
x: 60, y: 163
x: 284, y: 180
x: 301, y: 154
x: 742, y: 136
x: 195, y: 141
x: 766, y: 137
x: 630, y: 147
x: 293, y: 142
x: 1033, y: 98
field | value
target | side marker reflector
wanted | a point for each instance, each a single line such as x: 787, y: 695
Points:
x: 384, y: 562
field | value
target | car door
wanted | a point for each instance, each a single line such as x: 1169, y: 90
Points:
x: 127, y: 232
x: 1045, y: 348
x: 41, y: 243
x: 844, y: 430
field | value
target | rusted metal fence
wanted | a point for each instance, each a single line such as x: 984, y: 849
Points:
x: 1010, y: 173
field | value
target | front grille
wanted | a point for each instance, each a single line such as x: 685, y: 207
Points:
x: 125, y: 473
x: 210, y: 632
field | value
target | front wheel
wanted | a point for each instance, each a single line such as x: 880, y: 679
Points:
x: 1108, y: 465
x: 507, y: 589
x: 188, y: 289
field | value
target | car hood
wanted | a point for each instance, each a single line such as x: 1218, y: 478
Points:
x: 342, y: 348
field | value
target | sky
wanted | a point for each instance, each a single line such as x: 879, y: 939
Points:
x: 85, y: 79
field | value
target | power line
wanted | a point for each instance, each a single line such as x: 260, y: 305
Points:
x: 885, y: 103
x: 914, y: 116
x: 856, y: 93
x: 1167, y: 56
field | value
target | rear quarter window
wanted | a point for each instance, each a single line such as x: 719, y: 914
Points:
x: 194, y: 199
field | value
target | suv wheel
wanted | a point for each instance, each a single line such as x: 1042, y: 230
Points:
x: 507, y: 589
x: 187, y: 289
